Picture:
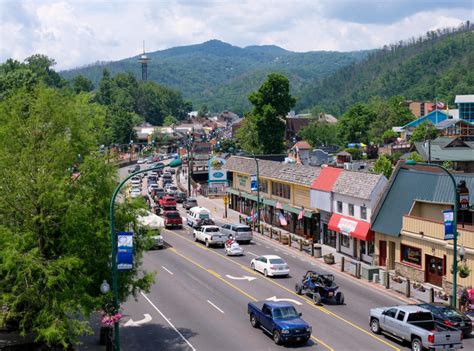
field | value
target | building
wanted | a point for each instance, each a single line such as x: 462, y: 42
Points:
x: 419, y: 108
x: 409, y: 229
x: 300, y: 152
x: 466, y: 107
x: 456, y: 128
x: 346, y: 200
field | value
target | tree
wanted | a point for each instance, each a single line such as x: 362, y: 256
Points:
x: 353, y: 126
x: 424, y: 131
x: 389, y: 136
x: 319, y: 133
x: 80, y: 83
x: 383, y: 166
x: 169, y: 120
x: 355, y: 153
x: 203, y: 111
x: 415, y: 156
x: 54, y: 225
x: 42, y: 67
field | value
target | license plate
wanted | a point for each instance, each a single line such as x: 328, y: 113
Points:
x: 462, y: 324
x: 330, y: 294
x: 298, y: 338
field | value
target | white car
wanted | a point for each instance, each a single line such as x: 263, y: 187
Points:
x: 234, y: 249
x: 270, y: 265
x: 172, y: 190
x: 135, y: 192
x: 141, y: 161
x: 153, y: 187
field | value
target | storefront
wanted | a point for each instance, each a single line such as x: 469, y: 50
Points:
x: 353, y: 237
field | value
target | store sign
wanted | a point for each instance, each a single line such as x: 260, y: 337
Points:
x: 347, y: 226
x: 448, y: 224
x: 464, y: 201
x: 216, y: 173
x: 253, y: 183
x: 124, y: 251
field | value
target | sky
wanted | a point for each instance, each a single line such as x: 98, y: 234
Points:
x: 75, y: 33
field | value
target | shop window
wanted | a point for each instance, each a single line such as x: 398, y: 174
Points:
x: 339, y: 206
x: 363, y: 212
x: 411, y: 255
x: 330, y: 238
x: 362, y: 247
x: 351, y: 210
x: 264, y: 185
x: 345, y: 240
x: 370, y: 248
x: 281, y: 190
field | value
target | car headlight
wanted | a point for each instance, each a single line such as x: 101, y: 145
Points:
x: 285, y: 331
x: 308, y: 329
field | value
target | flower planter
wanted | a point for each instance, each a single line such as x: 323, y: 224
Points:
x: 284, y: 240
x: 329, y: 259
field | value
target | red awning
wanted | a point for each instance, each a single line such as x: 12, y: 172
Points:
x: 351, y: 226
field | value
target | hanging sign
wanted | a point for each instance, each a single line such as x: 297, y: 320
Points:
x: 124, y: 251
x: 464, y: 201
x: 448, y: 224
x: 253, y: 182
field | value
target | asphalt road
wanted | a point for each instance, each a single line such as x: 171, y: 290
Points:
x: 197, y: 303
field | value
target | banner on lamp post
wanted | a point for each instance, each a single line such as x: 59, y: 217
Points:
x: 253, y: 182
x: 124, y: 251
x: 448, y: 224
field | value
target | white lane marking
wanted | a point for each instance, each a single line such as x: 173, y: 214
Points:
x: 169, y: 322
x: 217, y: 308
x: 251, y: 253
x: 274, y: 298
x: 132, y: 323
x: 241, y: 278
x: 166, y: 269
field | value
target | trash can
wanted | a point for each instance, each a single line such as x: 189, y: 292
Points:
x: 318, y: 251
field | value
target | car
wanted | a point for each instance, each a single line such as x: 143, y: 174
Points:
x: 158, y: 241
x: 270, y: 265
x: 134, y: 169
x: 152, y: 187
x: 165, y: 181
x: 190, y: 203
x: 149, y: 160
x: 210, y: 235
x: 141, y: 161
x: 449, y: 316
x: 320, y: 286
x: 168, y: 202
x: 158, y: 193
x: 180, y: 197
x: 172, y: 190
x: 233, y: 249
x: 172, y: 219
x: 172, y: 170
x: 240, y: 232
x: 152, y: 180
x: 196, y: 215
x: 135, y: 192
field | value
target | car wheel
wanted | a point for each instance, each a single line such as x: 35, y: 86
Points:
x: 339, y: 298
x: 253, y: 321
x: 207, y: 243
x: 298, y: 289
x: 276, y: 337
x: 226, y: 253
x: 252, y: 266
x: 265, y: 273
x: 416, y: 345
x: 375, y: 326
x: 316, y: 298
x: 195, y: 238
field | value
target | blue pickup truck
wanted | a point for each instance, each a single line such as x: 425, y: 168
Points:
x: 280, y: 320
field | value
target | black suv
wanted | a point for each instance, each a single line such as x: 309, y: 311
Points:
x: 449, y: 316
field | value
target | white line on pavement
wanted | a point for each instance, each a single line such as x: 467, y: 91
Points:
x: 166, y: 269
x: 251, y: 253
x: 169, y: 322
x: 217, y: 308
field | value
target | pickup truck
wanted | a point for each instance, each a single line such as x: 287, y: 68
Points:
x: 279, y: 319
x: 415, y: 325
x: 172, y: 219
x: 210, y: 235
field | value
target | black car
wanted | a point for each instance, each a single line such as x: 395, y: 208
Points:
x: 181, y: 197
x: 449, y: 316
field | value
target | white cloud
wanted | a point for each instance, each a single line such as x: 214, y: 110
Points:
x: 80, y: 32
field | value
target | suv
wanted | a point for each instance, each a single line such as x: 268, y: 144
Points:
x: 172, y: 219
x: 240, y: 232
x: 168, y: 202
x: 190, y: 203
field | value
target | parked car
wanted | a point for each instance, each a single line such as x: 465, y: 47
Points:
x: 416, y: 325
x: 240, y: 232
x: 449, y: 316
x: 270, y: 265
x: 196, y: 214
x: 210, y: 235
x: 320, y: 286
x: 168, y: 202
x: 158, y: 241
x: 190, y: 203
x: 135, y: 192
x: 281, y: 320
x: 172, y: 219
x: 180, y: 197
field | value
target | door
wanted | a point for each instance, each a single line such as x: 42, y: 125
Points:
x: 267, y: 318
x: 434, y: 270
x: 383, y: 253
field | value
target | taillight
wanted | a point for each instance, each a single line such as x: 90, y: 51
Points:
x: 431, y: 338
x: 449, y: 323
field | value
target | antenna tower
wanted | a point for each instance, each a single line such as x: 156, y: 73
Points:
x: 143, y: 60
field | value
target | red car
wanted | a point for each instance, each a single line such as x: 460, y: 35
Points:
x: 168, y: 202
x: 172, y: 219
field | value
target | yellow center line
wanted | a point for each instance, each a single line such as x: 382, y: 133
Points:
x: 322, y: 309
x: 218, y: 276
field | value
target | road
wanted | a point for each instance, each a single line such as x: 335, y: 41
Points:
x: 198, y: 302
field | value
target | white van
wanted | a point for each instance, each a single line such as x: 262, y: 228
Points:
x: 195, y: 214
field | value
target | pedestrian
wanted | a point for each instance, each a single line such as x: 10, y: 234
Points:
x: 464, y: 301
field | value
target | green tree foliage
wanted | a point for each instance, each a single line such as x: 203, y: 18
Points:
x: 383, y: 165
x: 424, y: 131
x: 227, y: 145
x: 203, y: 111
x: 415, y: 156
x: 319, y: 133
x: 355, y: 153
x: 169, y: 120
x: 80, y: 83
x: 263, y: 130
x: 54, y: 228
x: 353, y: 126
x: 389, y: 136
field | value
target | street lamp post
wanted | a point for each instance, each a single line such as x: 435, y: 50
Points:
x: 455, y: 224
x: 189, y: 144
x: 113, y: 239
x: 258, y: 194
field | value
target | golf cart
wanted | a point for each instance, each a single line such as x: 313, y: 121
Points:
x: 320, y: 286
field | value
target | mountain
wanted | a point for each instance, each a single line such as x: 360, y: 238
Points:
x: 221, y: 75
x: 439, y: 66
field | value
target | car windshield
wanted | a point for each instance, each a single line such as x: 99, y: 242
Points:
x: 450, y: 313
x: 285, y: 312
x: 172, y: 215
x: 192, y: 202
x: 276, y: 261
x: 212, y: 230
x: 243, y: 229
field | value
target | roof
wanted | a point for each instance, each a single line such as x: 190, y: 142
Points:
x: 302, y: 145
x: 288, y: 172
x: 446, y: 149
x: 356, y: 184
x: 434, y: 117
x: 409, y: 184
x: 412, y: 308
x: 461, y: 99
x: 326, y: 179
x: 271, y: 256
x: 294, y: 125
x: 449, y: 122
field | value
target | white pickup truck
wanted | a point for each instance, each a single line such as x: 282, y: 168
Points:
x: 415, y: 325
x: 210, y: 235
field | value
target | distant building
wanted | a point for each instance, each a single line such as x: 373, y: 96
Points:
x: 419, y: 108
x: 466, y: 107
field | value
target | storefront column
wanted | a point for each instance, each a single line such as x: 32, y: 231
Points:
x: 271, y: 215
x: 294, y: 219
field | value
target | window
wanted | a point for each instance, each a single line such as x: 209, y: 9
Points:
x: 264, y: 185
x: 363, y: 212
x: 281, y: 190
x: 411, y: 255
x: 370, y: 248
x: 339, y: 206
x: 345, y: 240
x: 351, y: 210
x: 362, y: 247
x: 401, y: 315
x: 391, y: 312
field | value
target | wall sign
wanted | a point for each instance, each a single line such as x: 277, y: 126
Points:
x: 216, y: 173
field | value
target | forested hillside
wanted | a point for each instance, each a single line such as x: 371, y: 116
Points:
x: 220, y: 75
x: 438, y: 65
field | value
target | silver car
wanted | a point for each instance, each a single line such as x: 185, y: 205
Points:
x: 240, y: 232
